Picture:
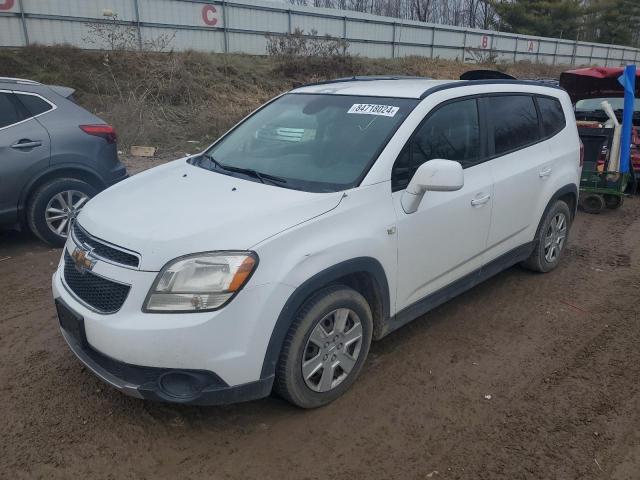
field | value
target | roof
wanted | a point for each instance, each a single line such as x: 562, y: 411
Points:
x: 598, y: 82
x: 598, y: 72
x: 409, y: 87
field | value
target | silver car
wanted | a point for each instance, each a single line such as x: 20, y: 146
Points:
x: 54, y: 156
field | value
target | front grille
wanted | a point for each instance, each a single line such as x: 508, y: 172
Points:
x: 102, y: 250
x: 98, y: 293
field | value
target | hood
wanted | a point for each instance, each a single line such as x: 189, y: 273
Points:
x: 178, y: 209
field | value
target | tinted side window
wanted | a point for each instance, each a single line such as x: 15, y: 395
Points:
x: 8, y: 112
x: 552, y: 115
x: 451, y: 132
x: 515, y: 122
x: 34, y: 105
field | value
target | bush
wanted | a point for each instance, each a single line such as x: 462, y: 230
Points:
x: 311, y: 57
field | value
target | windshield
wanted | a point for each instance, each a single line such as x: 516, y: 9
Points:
x: 593, y: 104
x: 312, y: 142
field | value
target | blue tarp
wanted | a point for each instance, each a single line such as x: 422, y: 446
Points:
x: 628, y: 82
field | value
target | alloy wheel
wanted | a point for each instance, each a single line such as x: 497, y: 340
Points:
x: 332, y: 350
x: 62, y: 209
x: 555, y: 237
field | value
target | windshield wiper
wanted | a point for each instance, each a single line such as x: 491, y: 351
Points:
x: 247, y: 171
x: 254, y: 173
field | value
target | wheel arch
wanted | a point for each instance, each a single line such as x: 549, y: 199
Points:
x: 568, y: 194
x: 64, y: 171
x: 364, y: 274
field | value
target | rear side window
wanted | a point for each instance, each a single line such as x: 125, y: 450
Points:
x: 551, y: 115
x: 34, y: 105
x: 451, y: 132
x: 8, y: 110
x: 515, y: 122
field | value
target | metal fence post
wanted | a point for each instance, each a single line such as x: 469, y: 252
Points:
x: 491, y: 44
x: 137, y: 12
x: 606, y: 60
x: 433, y: 40
x: 464, y: 44
x: 24, y: 23
x: 555, y: 53
x: 573, y: 54
x: 289, y: 21
x: 591, y: 55
x: 224, y: 27
x: 515, y: 51
x: 393, y: 42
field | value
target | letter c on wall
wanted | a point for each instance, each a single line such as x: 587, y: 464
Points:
x: 7, y: 4
x: 208, y: 15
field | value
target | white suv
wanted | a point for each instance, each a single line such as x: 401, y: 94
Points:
x: 329, y: 217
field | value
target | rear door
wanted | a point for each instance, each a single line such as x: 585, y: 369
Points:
x: 520, y: 164
x: 24, y: 150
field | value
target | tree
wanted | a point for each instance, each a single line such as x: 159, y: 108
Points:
x: 613, y: 21
x: 546, y: 18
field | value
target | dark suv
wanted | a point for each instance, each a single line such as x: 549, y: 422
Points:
x: 54, y: 156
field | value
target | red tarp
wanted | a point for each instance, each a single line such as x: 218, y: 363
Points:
x: 594, y: 82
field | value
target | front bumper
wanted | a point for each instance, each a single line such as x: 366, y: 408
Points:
x: 136, y: 351
x: 186, y: 386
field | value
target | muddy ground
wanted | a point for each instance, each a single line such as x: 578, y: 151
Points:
x: 524, y: 377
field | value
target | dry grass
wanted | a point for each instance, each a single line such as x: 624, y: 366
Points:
x: 169, y: 99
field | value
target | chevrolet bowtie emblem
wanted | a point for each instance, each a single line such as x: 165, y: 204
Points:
x: 81, y: 260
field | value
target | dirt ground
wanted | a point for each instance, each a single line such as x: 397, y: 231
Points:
x: 524, y: 377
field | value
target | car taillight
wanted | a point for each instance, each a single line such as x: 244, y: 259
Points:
x: 105, y: 131
x: 581, y: 153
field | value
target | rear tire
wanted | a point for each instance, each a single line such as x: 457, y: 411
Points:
x: 54, y: 205
x: 551, y: 239
x: 325, y: 348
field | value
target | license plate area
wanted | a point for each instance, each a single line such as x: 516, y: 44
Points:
x: 71, y: 323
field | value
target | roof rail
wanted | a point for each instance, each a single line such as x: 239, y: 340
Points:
x: 466, y: 83
x: 23, y: 81
x: 366, y: 78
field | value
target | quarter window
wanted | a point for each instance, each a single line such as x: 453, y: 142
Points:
x: 552, y: 115
x: 451, y: 132
x: 34, y: 104
x: 515, y: 122
x: 8, y: 111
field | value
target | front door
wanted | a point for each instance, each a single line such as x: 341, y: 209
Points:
x: 445, y: 238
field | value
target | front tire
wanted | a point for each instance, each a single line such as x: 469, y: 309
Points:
x: 53, y: 207
x: 325, y: 348
x: 551, y: 239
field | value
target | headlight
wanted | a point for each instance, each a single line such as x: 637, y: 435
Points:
x: 200, y: 282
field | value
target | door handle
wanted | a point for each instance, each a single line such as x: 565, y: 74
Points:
x: 476, y: 202
x: 545, y: 173
x: 27, y: 144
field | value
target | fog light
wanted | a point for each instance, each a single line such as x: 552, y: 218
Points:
x: 181, y: 384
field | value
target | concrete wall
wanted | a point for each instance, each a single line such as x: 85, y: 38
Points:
x: 240, y: 26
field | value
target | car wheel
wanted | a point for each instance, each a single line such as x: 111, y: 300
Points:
x: 613, y: 201
x: 54, y: 206
x: 325, y: 347
x: 551, y: 239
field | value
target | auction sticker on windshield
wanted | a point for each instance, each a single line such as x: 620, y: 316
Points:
x: 371, y: 109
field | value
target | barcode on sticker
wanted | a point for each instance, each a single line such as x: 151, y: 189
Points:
x: 371, y: 109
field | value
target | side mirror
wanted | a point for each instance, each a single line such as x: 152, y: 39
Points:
x: 435, y: 175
